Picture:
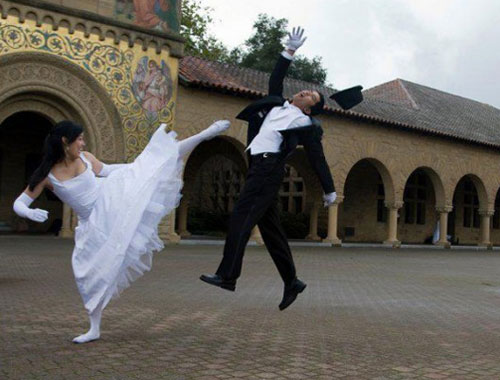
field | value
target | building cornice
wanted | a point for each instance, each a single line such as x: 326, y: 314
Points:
x: 93, y: 23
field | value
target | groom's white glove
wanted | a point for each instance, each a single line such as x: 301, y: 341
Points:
x: 295, y: 39
x: 329, y: 198
x: 21, y: 208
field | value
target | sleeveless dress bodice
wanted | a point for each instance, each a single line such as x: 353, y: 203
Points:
x: 80, y: 192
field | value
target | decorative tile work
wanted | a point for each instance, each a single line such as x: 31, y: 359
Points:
x: 162, y: 15
x: 117, y: 70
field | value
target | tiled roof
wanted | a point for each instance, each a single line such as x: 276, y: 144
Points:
x: 433, y: 110
x: 398, y: 103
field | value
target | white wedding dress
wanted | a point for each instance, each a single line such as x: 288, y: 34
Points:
x: 118, y: 218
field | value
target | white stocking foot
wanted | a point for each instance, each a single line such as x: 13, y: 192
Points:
x: 88, y: 337
x: 216, y: 129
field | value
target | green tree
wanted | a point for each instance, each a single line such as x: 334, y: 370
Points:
x: 194, y: 28
x: 258, y: 52
x: 262, y: 48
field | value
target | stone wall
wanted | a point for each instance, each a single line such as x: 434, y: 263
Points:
x: 392, y: 153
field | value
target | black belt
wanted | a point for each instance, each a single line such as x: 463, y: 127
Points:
x: 265, y: 155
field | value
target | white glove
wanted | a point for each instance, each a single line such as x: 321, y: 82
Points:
x: 295, y: 39
x: 329, y: 198
x: 21, y: 208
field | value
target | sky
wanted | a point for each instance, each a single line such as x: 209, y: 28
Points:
x: 450, y: 45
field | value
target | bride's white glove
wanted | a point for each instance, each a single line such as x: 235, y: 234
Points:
x: 21, y: 208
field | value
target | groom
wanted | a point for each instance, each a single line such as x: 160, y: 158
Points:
x: 275, y: 128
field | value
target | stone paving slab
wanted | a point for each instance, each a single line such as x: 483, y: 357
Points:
x: 367, y: 313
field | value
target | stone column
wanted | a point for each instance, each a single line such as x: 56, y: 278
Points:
x: 313, y: 222
x: 256, y: 236
x: 66, y: 231
x: 443, y: 226
x: 183, y: 213
x: 332, y: 237
x: 485, y: 228
x: 166, y: 230
x: 392, y: 226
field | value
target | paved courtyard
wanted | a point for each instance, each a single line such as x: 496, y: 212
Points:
x: 367, y: 313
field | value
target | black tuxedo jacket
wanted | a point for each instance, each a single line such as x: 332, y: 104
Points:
x: 309, y: 136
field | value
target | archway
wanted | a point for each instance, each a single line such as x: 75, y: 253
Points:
x: 469, y: 198
x: 21, y: 145
x: 418, y: 217
x: 59, y: 89
x: 213, y: 177
x: 56, y: 89
x: 363, y: 215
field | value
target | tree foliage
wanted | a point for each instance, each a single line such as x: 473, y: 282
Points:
x: 194, y: 28
x: 258, y: 52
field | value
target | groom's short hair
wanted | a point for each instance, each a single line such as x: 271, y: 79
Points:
x: 318, y: 107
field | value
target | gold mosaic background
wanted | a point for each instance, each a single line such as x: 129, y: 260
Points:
x: 143, y: 98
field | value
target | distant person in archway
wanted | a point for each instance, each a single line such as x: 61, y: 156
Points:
x: 275, y: 128
x: 118, y: 214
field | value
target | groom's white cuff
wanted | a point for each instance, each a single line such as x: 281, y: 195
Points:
x: 287, y: 55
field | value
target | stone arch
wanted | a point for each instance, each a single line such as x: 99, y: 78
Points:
x: 368, y: 195
x: 387, y: 179
x: 224, y: 146
x: 480, y: 187
x: 465, y: 217
x: 59, y: 89
x: 423, y: 196
x: 437, y: 184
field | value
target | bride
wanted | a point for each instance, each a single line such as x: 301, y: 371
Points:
x: 119, y: 207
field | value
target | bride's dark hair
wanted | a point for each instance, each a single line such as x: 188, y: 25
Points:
x: 53, y: 150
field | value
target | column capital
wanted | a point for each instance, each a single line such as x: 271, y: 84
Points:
x: 394, y: 204
x: 483, y: 212
x: 339, y: 199
x: 444, y: 208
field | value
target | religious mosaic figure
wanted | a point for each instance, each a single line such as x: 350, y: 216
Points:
x: 152, y: 85
x: 160, y: 15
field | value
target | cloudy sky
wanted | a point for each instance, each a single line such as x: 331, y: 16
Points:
x: 451, y: 45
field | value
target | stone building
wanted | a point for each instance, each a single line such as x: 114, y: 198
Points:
x: 403, y: 159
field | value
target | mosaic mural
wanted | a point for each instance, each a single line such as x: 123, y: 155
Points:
x: 140, y: 87
x: 163, y: 15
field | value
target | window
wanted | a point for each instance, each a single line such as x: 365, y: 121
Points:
x: 415, y: 197
x: 471, y: 205
x: 292, y: 191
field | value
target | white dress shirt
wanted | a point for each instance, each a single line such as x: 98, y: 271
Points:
x: 278, y: 119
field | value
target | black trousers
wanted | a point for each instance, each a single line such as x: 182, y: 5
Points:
x: 258, y: 205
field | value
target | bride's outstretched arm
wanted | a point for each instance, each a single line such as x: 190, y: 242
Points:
x: 27, y: 197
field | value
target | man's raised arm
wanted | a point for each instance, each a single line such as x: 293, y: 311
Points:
x: 295, y: 40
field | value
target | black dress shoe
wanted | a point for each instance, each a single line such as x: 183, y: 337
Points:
x: 291, y: 293
x: 215, y: 279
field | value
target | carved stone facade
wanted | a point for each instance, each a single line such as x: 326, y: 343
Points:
x: 119, y: 81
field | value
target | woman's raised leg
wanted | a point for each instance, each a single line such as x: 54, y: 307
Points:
x: 188, y: 144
